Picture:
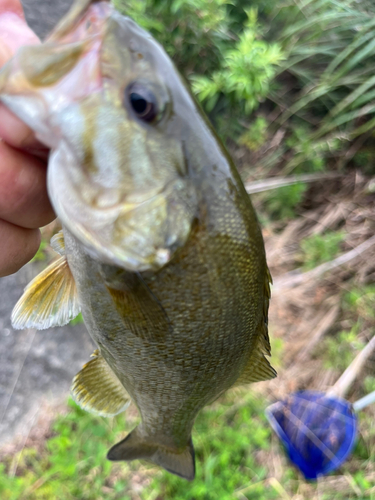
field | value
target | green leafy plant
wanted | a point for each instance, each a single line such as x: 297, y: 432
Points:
x: 320, y: 248
x: 218, y: 45
x: 360, y: 301
x: 246, y: 70
x: 77, y: 320
x: 41, y: 254
x: 326, y: 80
x: 255, y: 135
x: 281, y: 203
x: 340, y: 350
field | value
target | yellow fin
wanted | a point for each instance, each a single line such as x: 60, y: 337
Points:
x: 265, y: 341
x: 97, y: 390
x: 258, y: 368
x: 49, y: 300
x: 57, y: 243
x: 181, y: 463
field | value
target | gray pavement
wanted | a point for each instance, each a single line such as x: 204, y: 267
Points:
x: 42, y: 15
x: 35, y: 366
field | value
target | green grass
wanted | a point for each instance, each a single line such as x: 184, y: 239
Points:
x: 41, y: 254
x: 360, y: 302
x: 281, y: 203
x: 71, y: 466
x: 77, y: 320
x: 340, y: 350
x: 320, y: 248
x: 229, y: 441
x: 235, y: 453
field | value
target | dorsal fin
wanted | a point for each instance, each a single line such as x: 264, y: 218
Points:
x: 97, y: 390
x: 265, y: 340
x: 51, y: 298
x: 258, y: 367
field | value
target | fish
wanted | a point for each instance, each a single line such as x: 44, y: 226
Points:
x: 160, y: 248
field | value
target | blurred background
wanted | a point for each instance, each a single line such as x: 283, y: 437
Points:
x: 290, y: 88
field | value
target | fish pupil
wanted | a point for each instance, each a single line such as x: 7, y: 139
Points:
x: 142, y: 101
x: 139, y: 104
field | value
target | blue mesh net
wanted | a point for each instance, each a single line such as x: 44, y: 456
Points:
x: 318, y: 431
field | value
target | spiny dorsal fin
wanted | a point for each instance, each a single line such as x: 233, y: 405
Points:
x: 265, y: 341
x: 97, y: 390
x: 57, y: 243
x: 49, y: 300
x: 179, y: 462
x: 258, y: 367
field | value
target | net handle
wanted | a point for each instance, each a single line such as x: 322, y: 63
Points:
x: 363, y: 402
x: 344, y: 383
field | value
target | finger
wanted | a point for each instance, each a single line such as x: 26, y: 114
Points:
x: 17, y: 246
x: 14, y: 31
x: 16, y: 133
x: 14, y: 6
x: 23, y: 192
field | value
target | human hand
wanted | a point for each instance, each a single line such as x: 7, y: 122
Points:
x: 24, y: 203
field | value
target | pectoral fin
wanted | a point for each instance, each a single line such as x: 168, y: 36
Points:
x: 181, y: 463
x: 49, y: 300
x: 140, y: 310
x: 57, y: 243
x: 97, y: 390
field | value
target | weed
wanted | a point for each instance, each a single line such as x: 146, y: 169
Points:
x: 73, y: 464
x: 320, y: 248
x: 281, y: 203
x: 340, y: 350
x: 41, y: 254
x: 77, y: 320
x: 360, y: 302
x: 256, y: 135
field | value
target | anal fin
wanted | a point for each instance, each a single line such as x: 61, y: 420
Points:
x: 97, y: 390
x: 179, y: 462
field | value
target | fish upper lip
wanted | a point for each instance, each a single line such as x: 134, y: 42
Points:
x: 124, y: 204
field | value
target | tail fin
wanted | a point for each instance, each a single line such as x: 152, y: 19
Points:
x: 181, y: 463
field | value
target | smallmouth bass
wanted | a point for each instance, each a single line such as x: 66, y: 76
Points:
x: 160, y: 250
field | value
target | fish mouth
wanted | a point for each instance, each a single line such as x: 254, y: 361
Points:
x: 138, y: 233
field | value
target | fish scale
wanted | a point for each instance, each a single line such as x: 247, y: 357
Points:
x: 161, y: 249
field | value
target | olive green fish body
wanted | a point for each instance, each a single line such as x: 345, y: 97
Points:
x: 208, y: 321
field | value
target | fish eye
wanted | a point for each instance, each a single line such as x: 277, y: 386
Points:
x: 143, y: 102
